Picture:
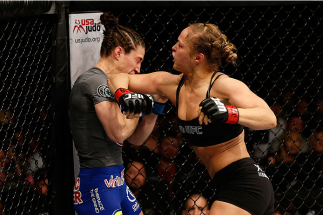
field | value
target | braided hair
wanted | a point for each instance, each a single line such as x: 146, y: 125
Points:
x: 207, y: 38
x: 117, y: 35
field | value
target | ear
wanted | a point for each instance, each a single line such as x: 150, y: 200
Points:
x: 199, y: 58
x: 117, y: 52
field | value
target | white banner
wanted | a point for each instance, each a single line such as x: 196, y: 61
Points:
x: 86, y: 36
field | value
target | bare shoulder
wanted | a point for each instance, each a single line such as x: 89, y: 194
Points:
x: 226, y: 85
x: 166, y: 78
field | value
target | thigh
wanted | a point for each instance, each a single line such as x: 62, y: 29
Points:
x: 129, y: 204
x: 219, y: 207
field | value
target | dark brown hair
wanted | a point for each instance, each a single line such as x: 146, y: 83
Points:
x: 117, y: 35
x: 208, y: 39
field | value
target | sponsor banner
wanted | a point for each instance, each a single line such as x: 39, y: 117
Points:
x: 86, y: 35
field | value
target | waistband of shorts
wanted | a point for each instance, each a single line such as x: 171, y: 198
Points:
x: 230, y: 169
x: 111, y: 170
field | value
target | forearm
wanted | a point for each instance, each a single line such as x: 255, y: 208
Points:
x: 143, y: 130
x: 115, y: 124
x: 257, y: 118
x: 121, y: 130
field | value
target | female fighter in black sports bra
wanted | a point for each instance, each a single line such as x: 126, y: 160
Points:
x: 213, y: 123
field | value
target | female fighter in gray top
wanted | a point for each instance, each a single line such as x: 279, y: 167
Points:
x: 99, y: 127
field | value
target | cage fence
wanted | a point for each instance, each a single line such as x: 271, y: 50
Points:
x: 279, y: 48
x: 24, y: 115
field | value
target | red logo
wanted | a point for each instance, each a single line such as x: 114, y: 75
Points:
x: 84, y: 22
x: 79, y: 28
x: 77, y: 194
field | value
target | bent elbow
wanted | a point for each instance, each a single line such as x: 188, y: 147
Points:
x: 117, y: 136
x: 117, y: 139
x: 272, y: 122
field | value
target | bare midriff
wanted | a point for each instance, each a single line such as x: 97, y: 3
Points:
x: 221, y: 155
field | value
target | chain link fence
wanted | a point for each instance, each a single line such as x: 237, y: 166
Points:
x: 25, y: 171
x: 279, y: 49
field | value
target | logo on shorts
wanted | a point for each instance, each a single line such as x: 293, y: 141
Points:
x: 104, y: 91
x: 130, y: 195
x: 115, y: 182
x: 261, y: 173
x: 77, y: 193
x: 117, y: 212
x: 97, y: 203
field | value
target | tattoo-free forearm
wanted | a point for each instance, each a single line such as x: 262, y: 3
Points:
x: 143, y: 130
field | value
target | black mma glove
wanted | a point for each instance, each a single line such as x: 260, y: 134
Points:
x: 153, y: 106
x: 217, y: 111
x: 129, y: 101
x: 149, y: 103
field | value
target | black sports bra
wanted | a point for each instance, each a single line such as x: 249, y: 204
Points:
x: 206, y: 135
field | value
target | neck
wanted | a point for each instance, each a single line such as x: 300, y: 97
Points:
x: 197, y: 79
x: 107, y: 65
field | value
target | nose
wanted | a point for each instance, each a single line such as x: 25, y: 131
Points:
x: 174, y: 47
x: 137, y: 69
x: 196, y: 211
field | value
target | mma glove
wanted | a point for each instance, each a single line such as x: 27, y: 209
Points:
x: 217, y: 111
x: 155, y: 107
x: 136, y: 102
x: 129, y: 101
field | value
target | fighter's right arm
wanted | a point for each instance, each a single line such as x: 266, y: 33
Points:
x: 153, y: 83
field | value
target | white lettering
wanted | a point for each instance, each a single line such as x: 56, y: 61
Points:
x: 135, y: 207
x: 261, y: 173
x: 219, y: 104
x: 191, y: 129
x: 98, y: 199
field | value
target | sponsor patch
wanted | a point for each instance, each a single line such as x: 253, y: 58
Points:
x: 115, y: 182
x: 104, y: 91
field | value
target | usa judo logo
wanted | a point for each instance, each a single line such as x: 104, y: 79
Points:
x: 86, y: 26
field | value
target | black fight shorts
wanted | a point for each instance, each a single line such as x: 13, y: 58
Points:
x: 244, y: 184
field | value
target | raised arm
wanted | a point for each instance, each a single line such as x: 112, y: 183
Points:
x: 152, y: 83
x: 254, y: 112
x: 233, y: 102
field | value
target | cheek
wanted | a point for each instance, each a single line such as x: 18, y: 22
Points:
x: 128, y: 179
